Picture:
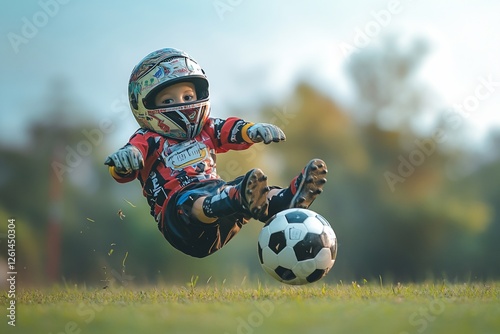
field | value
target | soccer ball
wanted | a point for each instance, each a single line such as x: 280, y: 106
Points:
x: 297, y: 246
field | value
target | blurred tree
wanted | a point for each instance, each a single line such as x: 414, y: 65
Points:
x: 424, y: 224
x: 384, y: 76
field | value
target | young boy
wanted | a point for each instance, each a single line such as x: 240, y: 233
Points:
x: 173, y: 156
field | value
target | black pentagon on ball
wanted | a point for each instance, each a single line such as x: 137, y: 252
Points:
x: 277, y: 241
x: 296, y: 217
x: 260, y: 253
x: 309, y: 247
x: 316, y: 275
x: 284, y: 273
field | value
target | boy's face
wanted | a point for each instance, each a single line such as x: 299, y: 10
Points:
x: 179, y: 93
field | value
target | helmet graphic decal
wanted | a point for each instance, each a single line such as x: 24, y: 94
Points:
x: 153, y: 59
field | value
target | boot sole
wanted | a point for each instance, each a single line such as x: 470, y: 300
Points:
x: 311, y: 185
x: 256, y: 190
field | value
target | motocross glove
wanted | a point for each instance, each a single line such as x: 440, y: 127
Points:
x: 126, y: 160
x: 267, y: 133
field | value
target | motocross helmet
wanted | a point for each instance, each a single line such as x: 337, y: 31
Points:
x: 156, y: 71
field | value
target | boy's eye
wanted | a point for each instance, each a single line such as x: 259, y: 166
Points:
x: 167, y: 101
x: 188, y: 97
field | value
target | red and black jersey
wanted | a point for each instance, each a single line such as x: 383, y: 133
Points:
x: 170, y: 165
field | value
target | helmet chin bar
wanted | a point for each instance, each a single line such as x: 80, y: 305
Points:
x: 190, y: 127
x: 181, y: 121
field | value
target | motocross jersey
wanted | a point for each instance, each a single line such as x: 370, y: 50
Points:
x: 170, y: 165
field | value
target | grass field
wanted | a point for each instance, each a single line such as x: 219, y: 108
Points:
x: 254, y: 308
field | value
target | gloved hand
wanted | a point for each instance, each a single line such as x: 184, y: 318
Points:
x: 126, y: 160
x: 265, y: 132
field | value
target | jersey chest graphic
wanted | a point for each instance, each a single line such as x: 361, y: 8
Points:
x: 185, y: 154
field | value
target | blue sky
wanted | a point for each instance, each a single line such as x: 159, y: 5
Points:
x: 252, y: 51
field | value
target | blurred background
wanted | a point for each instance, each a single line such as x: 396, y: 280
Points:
x: 400, y: 98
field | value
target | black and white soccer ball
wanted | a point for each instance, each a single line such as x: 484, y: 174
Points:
x: 297, y: 246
